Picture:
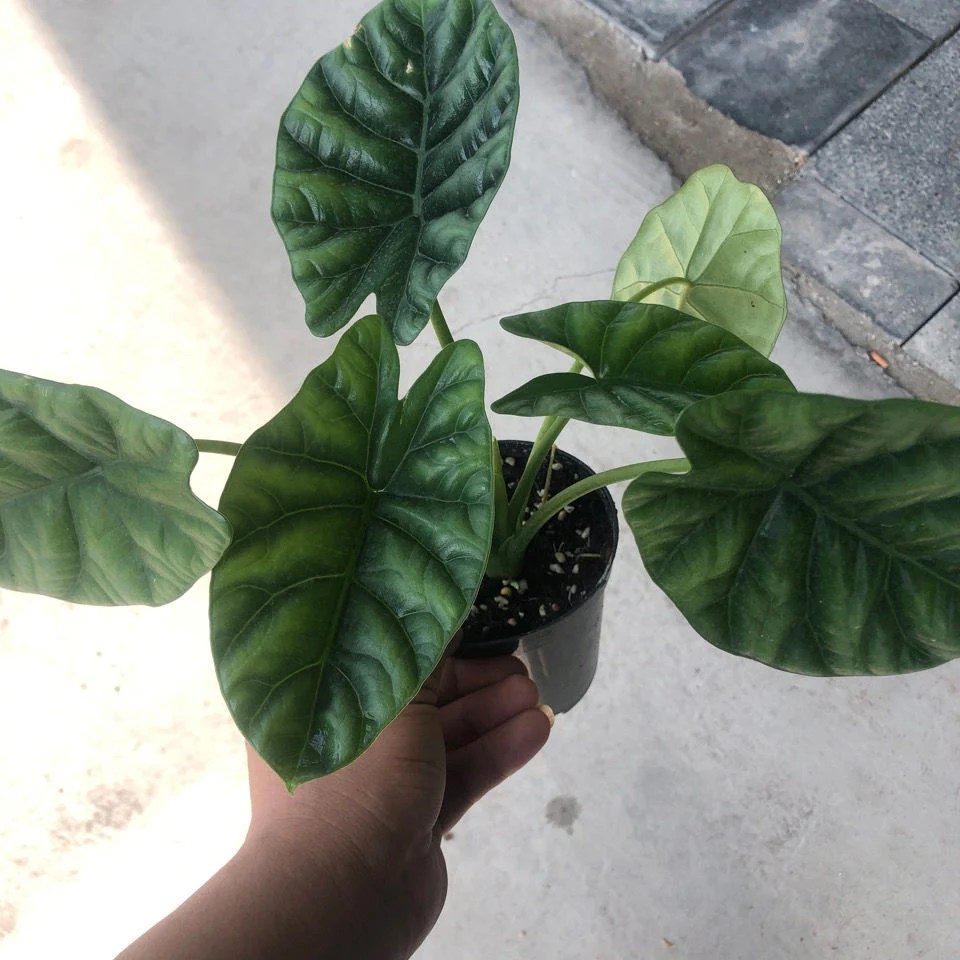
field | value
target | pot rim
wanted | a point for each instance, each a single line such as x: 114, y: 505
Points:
x: 613, y: 522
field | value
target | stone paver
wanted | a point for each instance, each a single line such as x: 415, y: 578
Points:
x: 657, y: 23
x: 937, y: 345
x: 796, y: 71
x: 872, y: 270
x: 935, y: 18
x: 900, y: 160
x: 870, y: 87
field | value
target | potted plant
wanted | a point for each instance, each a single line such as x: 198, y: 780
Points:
x: 358, y: 531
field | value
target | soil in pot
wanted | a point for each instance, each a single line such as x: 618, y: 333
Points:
x: 565, y: 571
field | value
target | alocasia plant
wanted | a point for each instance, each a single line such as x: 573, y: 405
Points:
x: 815, y: 534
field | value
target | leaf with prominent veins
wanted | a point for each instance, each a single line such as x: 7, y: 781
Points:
x: 649, y: 363
x: 718, y: 241
x: 95, y: 498
x: 363, y: 525
x: 815, y: 534
x: 389, y: 156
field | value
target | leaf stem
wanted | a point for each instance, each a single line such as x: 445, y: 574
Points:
x: 545, y: 495
x: 659, y: 285
x: 218, y: 446
x: 518, y: 544
x: 439, y: 323
x: 549, y: 431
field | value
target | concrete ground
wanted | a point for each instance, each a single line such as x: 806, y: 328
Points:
x: 693, y: 806
x: 846, y: 110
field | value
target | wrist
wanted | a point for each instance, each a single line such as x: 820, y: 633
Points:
x: 270, y: 900
x: 374, y: 901
x: 330, y: 892
x: 313, y: 894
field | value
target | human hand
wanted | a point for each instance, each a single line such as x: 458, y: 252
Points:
x: 377, y: 824
x: 350, y: 865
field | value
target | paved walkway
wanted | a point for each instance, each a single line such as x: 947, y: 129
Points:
x: 867, y: 96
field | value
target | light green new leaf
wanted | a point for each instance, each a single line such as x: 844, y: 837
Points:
x: 650, y: 363
x: 815, y: 534
x: 362, y: 527
x: 95, y: 499
x: 721, y: 239
x: 390, y: 155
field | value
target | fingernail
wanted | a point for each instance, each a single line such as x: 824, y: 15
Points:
x: 548, y: 713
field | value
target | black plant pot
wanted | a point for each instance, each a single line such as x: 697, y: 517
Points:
x: 552, y: 613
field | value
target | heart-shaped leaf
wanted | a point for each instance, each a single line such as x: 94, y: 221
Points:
x: 362, y: 526
x: 650, y: 363
x: 719, y: 239
x: 815, y: 534
x: 95, y: 499
x: 390, y: 155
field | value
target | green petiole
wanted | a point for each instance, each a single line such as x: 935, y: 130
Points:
x: 218, y: 446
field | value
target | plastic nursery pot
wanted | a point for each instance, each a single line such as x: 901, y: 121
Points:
x: 550, y: 616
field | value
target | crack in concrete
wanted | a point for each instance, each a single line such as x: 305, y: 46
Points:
x: 545, y: 294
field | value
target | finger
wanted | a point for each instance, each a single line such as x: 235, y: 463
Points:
x: 430, y: 691
x: 462, y: 677
x: 468, y: 718
x: 477, y: 768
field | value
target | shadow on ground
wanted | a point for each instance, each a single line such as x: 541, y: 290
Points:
x: 194, y: 93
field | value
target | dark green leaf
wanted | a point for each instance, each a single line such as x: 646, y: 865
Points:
x: 650, y: 363
x: 722, y: 238
x: 815, y: 534
x: 95, y: 499
x: 390, y: 155
x: 362, y: 527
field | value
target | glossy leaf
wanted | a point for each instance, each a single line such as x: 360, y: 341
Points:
x: 722, y: 238
x: 390, y: 155
x: 362, y: 527
x: 95, y: 499
x: 815, y: 534
x: 649, y: 363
